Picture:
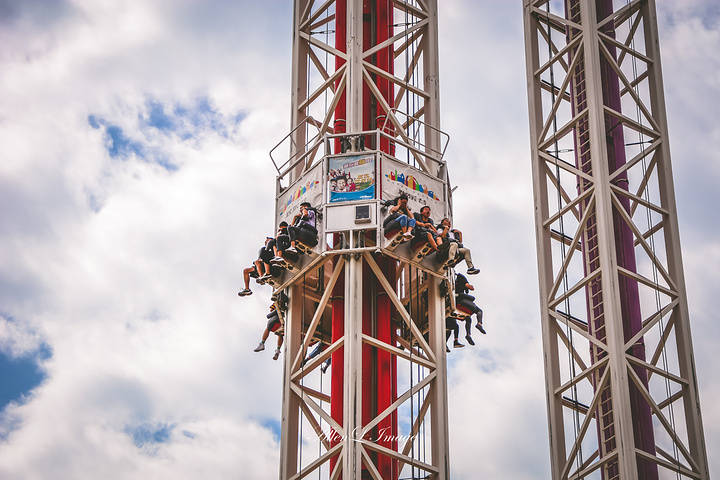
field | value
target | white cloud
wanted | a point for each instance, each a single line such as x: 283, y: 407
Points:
x: 17, y: 339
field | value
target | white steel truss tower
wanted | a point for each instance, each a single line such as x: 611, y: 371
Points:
x: 365, y: 392
x: 622, y: 394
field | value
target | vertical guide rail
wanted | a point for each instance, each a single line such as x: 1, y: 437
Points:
x: 298, y: 113
x: 550, y: 328
x: 352, y: 467
x: 440, y: 453
x: 432, y: 86
x: 291, y: 403
x: 617, y: 220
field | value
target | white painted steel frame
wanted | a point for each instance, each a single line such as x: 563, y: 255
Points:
x: 429, y: 393
x: 313, y: 109
x: 315, y: 94
x: 574, y: 207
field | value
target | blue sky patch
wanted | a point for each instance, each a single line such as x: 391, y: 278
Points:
x: 93, y: 121
x: 273, y: 425
x: 239, y: 118
x: 186, y: 122
x: 148, y: 434
x: 120, y: 145
x: 158, y: 119
x: 166, y: 164
x: 117, y: 143
x: 20, y: 375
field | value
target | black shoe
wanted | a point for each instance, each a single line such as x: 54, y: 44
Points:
x: 473, y: 271
x: 480, y: 327
x: 447, y: 349
x: 470, y: 340
x: 458, y: 344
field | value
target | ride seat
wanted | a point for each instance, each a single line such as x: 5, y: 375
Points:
x: 392, y: 231
x: 442, y: 257
x: 421, y: 247
x: 308, y: 237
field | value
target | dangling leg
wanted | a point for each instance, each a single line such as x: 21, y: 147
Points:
x: 261, y: 346
x: 479, y: 325
x: 279, y: 344
x: 451, y: 327
x: 452, y: 252
x: 246, y: 278
x: 260, y: 267
x: 465, y: 252
x: 456, y: 332
x: 468, y: 330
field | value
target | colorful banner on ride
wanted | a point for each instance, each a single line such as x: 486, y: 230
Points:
x: 307, y: 189
x: 351, y: 178
x: 421, y: 189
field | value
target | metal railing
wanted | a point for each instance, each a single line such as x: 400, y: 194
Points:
x: 307, y: 153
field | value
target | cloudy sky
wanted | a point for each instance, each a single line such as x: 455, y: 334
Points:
x: 135, y: 185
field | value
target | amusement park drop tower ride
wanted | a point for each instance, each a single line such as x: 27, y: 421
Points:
x: 371, y: 304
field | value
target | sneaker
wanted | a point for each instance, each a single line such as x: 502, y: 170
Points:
x: 479, y: 327
x: 277, y: 354
x: 458, y: 344
x: 291, y: 250
x: 244, y: 292
x: 470, y: 340
x: 265, y: 278
x: 276, y: 260
x: 407, y: 235
x: 473, y: 271
x: 260, y: 347
x: 447, y: 349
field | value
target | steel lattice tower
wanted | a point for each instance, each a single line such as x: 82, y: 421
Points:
x: 620, y: 377
x: 365, y: 104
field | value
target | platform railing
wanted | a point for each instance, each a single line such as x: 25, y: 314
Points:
x: 426, y: 157
x: 300, y: 153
